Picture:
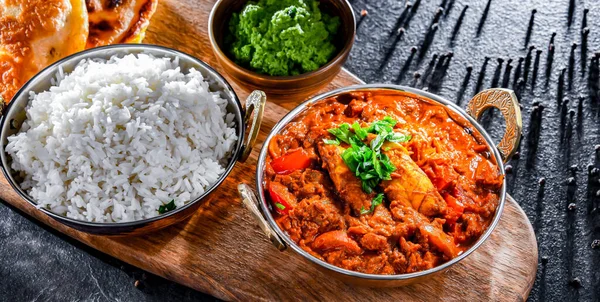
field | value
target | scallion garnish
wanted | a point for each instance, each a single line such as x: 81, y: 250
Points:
x: 375, y: 202
x: 167, y: 207
x: 366, y: 161
x: 331, y: 142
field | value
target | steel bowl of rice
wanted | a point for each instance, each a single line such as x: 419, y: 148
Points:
x: 125, y: 139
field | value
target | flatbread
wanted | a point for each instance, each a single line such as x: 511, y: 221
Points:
x: 35, y: 34
x: 118, y: 21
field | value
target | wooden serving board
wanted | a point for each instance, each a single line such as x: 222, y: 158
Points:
x: 221, y: 251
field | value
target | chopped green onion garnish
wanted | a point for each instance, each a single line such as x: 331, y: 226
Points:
x: 168, y: 207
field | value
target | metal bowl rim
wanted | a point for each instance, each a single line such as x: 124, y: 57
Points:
x: 46, y: 72
x: 442, y: 101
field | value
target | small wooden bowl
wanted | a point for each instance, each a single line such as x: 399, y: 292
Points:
x: 282, y: 87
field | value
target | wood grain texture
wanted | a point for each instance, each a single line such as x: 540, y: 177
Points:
x: 221, y: 251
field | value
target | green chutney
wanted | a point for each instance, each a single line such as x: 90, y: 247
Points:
x: 282, y: 37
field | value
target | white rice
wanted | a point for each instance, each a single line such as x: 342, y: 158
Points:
x: 114, y: 140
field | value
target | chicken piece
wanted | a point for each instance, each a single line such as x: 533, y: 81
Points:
x: 410, y: 184
x: 488, y: 174
x: 348, y: 186
x: 381, y: 221
x: 369, y: 263
x: 35, y: 34
x: 313, y: 216
x: 118, y: 21
x: 398, y: 261
x: 377, y: 264
x: 355, y: 108
x: 374, y: 242
x: 431, y: 232
x: 305, y: 183
x: 337, y: 240
x: 475, y: 225
x: 439, y: 239
x: 414, y: 257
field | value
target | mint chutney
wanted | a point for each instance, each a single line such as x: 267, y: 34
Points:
x: 282, y: 37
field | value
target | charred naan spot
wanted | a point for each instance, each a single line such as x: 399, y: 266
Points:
x: 90, y: 6
x: 102, y: 26
x: 118, y: 21
x: 114, y: 3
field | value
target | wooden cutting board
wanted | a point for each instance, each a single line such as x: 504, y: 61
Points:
x: 221, y: 251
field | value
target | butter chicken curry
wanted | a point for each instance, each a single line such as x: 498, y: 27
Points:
x: 381, y: 182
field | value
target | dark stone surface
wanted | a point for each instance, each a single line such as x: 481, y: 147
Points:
x: 37, y: 263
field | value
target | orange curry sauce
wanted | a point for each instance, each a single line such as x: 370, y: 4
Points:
x: 440, y: 200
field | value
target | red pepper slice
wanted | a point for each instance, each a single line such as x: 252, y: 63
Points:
x: 442, y: 176
x: 457, y: 208
x: 278, y: 193
x: 286, y: 164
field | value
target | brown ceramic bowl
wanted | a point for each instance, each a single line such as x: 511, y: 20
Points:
x: 299, y: 86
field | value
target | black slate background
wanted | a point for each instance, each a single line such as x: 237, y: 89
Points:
x: 558, y: 146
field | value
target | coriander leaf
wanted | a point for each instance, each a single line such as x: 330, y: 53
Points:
x: 345, y: 127
x: 363, y: 211
x: 331, y: 141
x: 366, y: 160
x: 355, y: 141
x: 368, y: 176
x: 280, y: 206
x: 350, y: 158
x: 167, y: 207
x: 365, y: 166
x: 387, y: 166
x: 398, y: 138
x: 359, y: 131
x: 390, y: 121
x: 375, y: 202
x: 386, y: 124
x: 377, y: 165
x: 342, y: 133
x: 378, y: 141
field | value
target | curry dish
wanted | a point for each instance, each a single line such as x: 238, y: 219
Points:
x: 382, y: 182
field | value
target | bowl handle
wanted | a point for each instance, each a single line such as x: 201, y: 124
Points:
x: 2, y: 108
x: 255, y: 107
x: 250, y: 201
x: 506, y: 101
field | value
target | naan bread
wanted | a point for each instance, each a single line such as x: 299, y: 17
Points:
x: 118, y: 21
x: 36, y: 33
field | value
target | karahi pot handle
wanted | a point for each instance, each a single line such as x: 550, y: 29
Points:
x: 2, y: 107
x: 506, y: 101
x: 255, y: 107
x: 251, y: 202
